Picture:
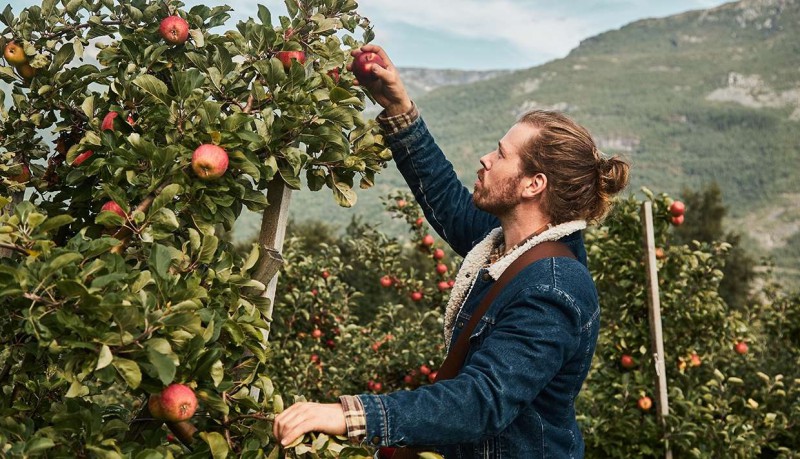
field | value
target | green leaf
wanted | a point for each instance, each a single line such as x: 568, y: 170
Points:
x: 153, y: 86
x: 264, y: 15
x: 63, y: 260
x: 217, y: 443
x: 344, y: 195
x: 209, y: 248
x: 63, y: 56
x: 217, y: 373
x: 165, y: 367
x: 56, y: 222
x: 160, y: 259
x: 88, y: 107
x: 252, y: 259
x: 105, y: 358
x: 129, y: 370
x: 38, y: 444
x: 186, y: 82
x: 165, y: 197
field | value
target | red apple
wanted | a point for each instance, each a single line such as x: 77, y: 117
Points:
x: 627, y: 361
x: 451, y: 282
x: 419, y: 221
x: 286, y: 58
x: 441, y: 268
x: 425, y: 370
x: 432, y: 376
x: 317, y: 333
x: 174, y: 30
x: 660, y: 255
x: 401, y: 203
x: 408, y: 379
x: 170, y: 437
x: 741, y: 347
x: 443, y: 286
x: 416, y: 296
x: 314, y: 358
x: 371, y: 385
x: 438, y: 254
x: 330, y: 343
x: 377, y: 387
x: 645, y: 403
x: 695, y: 360
x: 386, y: 281
x: 314, y: 292
x: 112, y: 206
x: 334, y: 74
x: 427, y: 240
x: 677, y: 208
x: 209, y: 161
x: 14, y: 54
x: 325, y: 274
x: 23, y: 176
x: 677, y: 220
x: 178, y: 402
x: 362, y: 66
x: 82, y: 157
x: 108, y: 121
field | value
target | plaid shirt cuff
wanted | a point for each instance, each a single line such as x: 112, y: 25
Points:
x: 394, y: 124
x: 354, y: 417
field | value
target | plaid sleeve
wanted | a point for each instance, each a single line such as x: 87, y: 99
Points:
x: 354, y: 417
x: 396, y: 123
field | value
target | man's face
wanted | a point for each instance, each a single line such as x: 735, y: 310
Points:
x: 499, y: 188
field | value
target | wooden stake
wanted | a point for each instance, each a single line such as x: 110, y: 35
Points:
x: 654, y: 314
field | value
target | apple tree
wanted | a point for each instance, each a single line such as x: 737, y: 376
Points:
x: 138, y: 133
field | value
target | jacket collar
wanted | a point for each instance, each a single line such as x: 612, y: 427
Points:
x: 477, y: 258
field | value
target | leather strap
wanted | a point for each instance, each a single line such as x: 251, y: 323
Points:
x: 458, y: 352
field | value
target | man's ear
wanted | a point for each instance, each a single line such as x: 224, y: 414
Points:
x: 535, y: 185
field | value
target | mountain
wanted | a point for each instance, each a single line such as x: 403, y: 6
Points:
x: 701, y: 96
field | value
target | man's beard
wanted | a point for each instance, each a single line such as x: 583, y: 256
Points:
x: 497, y: 201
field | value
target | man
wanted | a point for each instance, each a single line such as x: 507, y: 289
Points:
x: 528, y: 356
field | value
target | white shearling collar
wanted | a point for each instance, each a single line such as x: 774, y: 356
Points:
x: 479, y: 255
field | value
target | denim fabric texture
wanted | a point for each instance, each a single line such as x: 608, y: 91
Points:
x: 529, y: 355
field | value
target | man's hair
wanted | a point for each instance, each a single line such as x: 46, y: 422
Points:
x: 580, y: 180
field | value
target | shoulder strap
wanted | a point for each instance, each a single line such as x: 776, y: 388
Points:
x: 458, y: 352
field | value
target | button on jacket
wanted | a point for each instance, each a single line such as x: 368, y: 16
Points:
x: 529, y: 354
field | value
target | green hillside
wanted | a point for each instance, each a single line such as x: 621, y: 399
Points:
x: 701, y: 96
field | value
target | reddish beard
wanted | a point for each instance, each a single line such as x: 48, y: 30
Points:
x: 499, y: 200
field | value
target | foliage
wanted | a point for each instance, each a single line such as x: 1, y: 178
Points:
x: 102, y: 309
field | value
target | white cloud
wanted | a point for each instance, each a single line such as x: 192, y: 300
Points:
x: 529, y: 28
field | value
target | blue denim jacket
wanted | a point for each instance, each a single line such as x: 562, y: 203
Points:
x: 529, y: 355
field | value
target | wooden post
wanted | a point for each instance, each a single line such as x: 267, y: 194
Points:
x: 654, y: 314
x: 270, y: 242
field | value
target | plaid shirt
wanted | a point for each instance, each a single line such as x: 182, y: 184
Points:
x: 396, y: 123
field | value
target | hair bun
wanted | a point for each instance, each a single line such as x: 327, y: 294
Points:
x: 613, y: 174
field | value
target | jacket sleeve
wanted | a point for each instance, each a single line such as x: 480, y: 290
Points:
x: 446, y: 202
x: 536, y: 334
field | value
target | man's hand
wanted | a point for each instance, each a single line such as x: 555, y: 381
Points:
x: 387, y: 89
x: 301, y: 418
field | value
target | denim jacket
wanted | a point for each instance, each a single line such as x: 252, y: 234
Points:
x: 529, y: 355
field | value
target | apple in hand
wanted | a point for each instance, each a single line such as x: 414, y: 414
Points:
x: 362, y: 66
x: 209, y: 161
x: 177, y: 402
x: 286, y: 58
x: 174, y: 30
x: 14, y: 54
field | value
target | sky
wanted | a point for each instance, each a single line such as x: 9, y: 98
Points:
x: 482, y: 34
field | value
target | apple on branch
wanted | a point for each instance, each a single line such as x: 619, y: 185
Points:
x: 14, y: 54
x: 209, y: 161
x: 176, y: 403
x: 286, y: 58
x: 174, y: 30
